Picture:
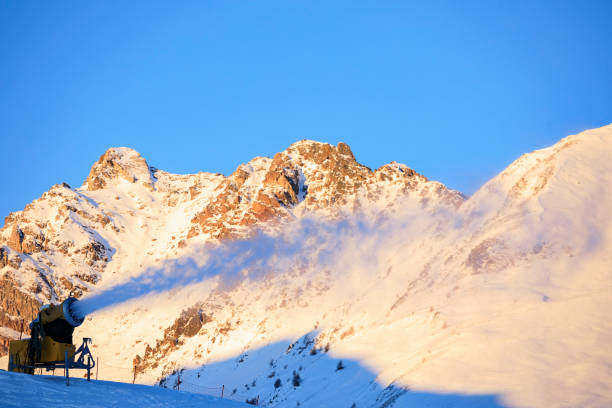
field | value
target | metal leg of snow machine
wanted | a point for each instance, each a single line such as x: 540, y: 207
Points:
x: 80, y: 355
x: 78, y: 360
x: 66, y: 368
x: 81, y: 359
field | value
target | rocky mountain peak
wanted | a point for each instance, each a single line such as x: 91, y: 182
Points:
x: 119, y: 163
x: 394, y: 170
x: 320, y: 153
x: 308, y: 176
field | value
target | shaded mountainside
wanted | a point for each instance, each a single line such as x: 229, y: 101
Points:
x: 128, y: 216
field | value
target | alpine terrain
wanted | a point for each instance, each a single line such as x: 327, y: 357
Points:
x: 308, y: 279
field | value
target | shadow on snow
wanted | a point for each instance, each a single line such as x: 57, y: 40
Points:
x: 303, y: 374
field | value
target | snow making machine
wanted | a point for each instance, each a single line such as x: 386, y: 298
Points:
x: 50, y: 343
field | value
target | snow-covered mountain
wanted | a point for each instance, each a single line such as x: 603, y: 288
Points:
x: 128, y: 216
x: 310, y: 279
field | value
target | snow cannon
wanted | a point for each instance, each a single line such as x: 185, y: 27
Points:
x: 66, y: 312
x: 50, y: 343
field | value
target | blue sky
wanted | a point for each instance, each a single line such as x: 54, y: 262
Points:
x: 456, y: 90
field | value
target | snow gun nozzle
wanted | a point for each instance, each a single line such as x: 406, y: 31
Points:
x: 72, y: 312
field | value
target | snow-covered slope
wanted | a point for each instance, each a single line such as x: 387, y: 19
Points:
x: 21, y: 390
x: 129, y: 216
x: 394, y: 292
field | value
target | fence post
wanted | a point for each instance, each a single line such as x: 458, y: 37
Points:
x: 66, y: 368
x: 222, y: 390
x: 97, y: 364
x: 134, y: 370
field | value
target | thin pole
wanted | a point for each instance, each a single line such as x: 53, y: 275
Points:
x: 222, y: 390
x: 97, y: 364
x: 66, y: 368
x: 88, y: 367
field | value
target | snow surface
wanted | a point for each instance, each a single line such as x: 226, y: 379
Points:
x: 23, y: 390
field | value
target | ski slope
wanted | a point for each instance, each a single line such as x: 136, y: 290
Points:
x: 22, y: 390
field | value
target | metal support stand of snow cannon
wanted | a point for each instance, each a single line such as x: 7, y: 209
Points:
x: 76, y: 361
x: 81, y: 359
x: 50, y: 344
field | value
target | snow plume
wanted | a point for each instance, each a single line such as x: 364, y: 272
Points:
x: 314, y: 243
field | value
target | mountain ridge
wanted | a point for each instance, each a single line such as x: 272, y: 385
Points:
x: 65, y: 240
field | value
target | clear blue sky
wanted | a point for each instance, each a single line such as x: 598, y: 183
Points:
x: 456, y: 90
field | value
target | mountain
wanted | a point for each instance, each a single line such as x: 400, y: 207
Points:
x: 128, y: 216
x: 308, y: 279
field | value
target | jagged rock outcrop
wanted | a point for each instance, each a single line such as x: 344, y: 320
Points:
x: 119, y: 163
x: 16, y: 310
x: 189, y: 323
x: 3, y: 257
x: 15, y: 240
x: 318, y: 177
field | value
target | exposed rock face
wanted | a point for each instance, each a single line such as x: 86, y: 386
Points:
x: 256, y: 192
x: 15, y: 241
x: 3, y: 257
x: 119, y: 163
x: 27, y: 240
x: 332, y: 173
x: 188, y: 324
x: 16, y: 310
x: 322, y: 176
